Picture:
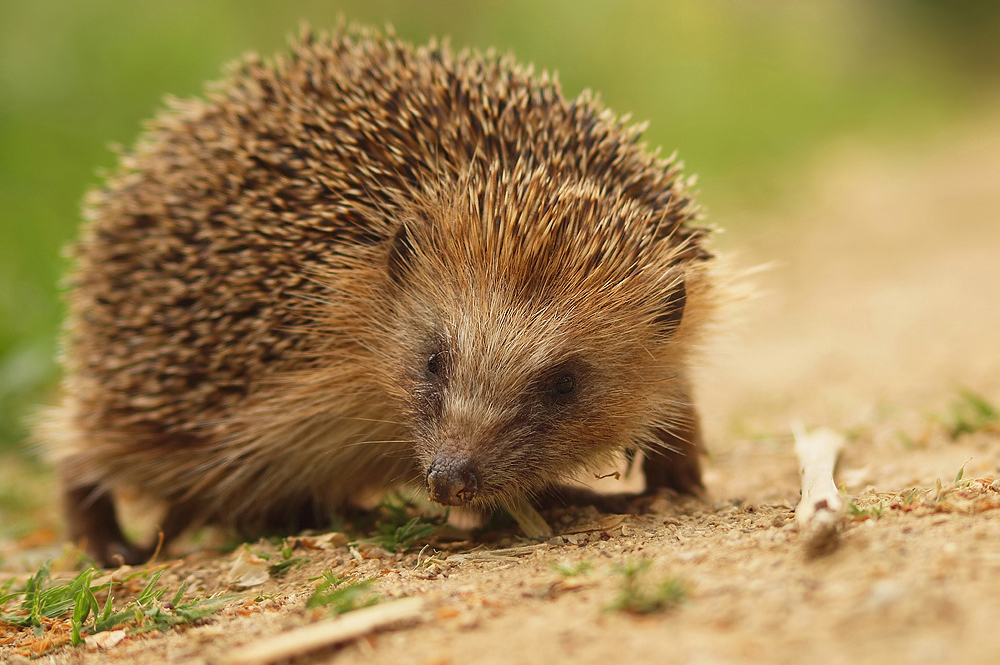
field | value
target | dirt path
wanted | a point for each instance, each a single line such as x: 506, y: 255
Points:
x: 881, y: 304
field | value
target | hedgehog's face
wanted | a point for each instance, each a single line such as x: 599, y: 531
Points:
x: 505, y: 401
x: 535, y: 333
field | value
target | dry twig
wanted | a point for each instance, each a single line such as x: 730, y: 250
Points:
x: 327, y: 633
x: 821, y: 509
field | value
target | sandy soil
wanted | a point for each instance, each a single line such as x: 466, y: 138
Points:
x: 880, y: 305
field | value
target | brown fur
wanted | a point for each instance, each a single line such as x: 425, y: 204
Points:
x: 259, y: 288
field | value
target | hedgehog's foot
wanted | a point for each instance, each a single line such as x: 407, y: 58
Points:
x: 93, y: 522
x: 677, y: 465
x: 296, y: 517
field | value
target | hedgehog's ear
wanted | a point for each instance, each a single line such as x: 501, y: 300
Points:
x: 672, y: 310
x: 401, y: 253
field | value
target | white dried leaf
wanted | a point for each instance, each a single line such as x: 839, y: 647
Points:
x: 248, y: 570
x: 326, y: 541
x: 106, y: 639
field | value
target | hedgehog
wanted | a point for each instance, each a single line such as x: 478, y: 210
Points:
x: 362, y: 265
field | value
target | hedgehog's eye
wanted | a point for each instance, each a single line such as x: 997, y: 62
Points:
x: 563, y: 387
x: 434, y: 363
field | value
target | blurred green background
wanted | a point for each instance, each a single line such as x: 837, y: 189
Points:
x: 747, y: 92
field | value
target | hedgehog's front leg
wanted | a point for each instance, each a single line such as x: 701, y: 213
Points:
x: 676, y: 465
x: 92, y: 520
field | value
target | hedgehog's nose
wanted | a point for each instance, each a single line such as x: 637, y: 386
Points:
x: 451, y: 481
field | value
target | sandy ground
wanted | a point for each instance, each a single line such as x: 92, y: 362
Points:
x: 880, y: 305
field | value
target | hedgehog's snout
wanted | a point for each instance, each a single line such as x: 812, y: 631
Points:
x: 452, y: 481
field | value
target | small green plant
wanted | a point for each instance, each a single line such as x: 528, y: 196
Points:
x: 638, y: 596
x: 427, y: 560
x: 858, y: 513
x: 280, y: 568
x: 397, y: 531
x: 76, y: 600
x: 149, y: 613
x: 401, y: 538
x: 341, y: 594
x: 574, y: 570
x: 968, y: 414
x: 961, y: 471
x: 41, y: 597
x: 906, y: 440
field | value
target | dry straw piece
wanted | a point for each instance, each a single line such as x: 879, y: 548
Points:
x: 327, y: 633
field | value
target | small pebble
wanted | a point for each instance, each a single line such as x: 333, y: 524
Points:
x: 690, y: 556
x: 885, y: 593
